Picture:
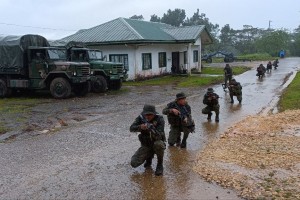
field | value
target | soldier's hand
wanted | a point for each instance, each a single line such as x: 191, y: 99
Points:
x: 175, y: 111
x: 143, y: 126
x: 209, y: 98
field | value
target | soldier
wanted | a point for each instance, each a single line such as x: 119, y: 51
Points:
x: 269, y: 67
x: 152, y: 138
x: 275, y: 63
x: 180, y: 120
x: 211, y: 100
x: 235, y: 89
x: 261, y: 70
x: 227, y: 74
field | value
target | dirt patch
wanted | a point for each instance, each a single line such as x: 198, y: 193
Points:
x: 259, y: 157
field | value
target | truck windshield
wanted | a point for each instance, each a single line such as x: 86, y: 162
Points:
x: 57, y: 54
x: 95, y: 55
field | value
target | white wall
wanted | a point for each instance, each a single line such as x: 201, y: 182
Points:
x: 135, y: 56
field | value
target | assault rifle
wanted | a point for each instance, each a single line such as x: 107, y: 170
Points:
x: 186, y: 118
x: 152, y: 130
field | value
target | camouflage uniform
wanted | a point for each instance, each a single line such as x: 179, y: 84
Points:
x: 177, y: 123
x: 211, y: 100
x: 261, y: 70
x: 227, y: 74
x: 235, y: 89
x: 150, y: 143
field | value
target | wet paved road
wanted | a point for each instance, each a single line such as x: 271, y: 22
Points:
x: 91, y: 159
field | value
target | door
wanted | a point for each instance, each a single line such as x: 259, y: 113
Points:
x: 175, y: 62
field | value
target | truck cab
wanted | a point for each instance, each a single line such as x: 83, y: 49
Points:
x: 29, y: 63
x: 107, y: 74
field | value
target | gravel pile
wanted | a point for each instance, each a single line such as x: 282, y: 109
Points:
x: 259, y: 156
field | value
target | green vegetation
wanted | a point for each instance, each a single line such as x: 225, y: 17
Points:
x: 290, y: 99
x: 180, y: 81
x: 256, y: 57
x: 220, y: 71
x: 16, y: 105
x: 3, y: 128
x: 190, y: 81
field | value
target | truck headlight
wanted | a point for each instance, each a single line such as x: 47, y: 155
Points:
x: 74, y: 73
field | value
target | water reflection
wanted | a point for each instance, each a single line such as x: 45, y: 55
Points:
x: 180, y: 165
x: 150, y: 186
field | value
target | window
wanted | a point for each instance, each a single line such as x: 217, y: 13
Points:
x: 185, y: 57
x: 146, y: 59
x: 121, y: 58
x: 162, y: 59
x: 195, y: 55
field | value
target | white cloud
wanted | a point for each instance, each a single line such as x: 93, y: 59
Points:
x: 73, y: 15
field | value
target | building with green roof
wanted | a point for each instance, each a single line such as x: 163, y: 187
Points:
x: 146, y: 48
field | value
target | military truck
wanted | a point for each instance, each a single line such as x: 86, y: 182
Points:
x: 107, y: 74
x: 29, y: 63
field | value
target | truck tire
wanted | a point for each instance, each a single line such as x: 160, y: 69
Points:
x: 209, y: 60
x: 115, y: 85
x: 81, y: 89
x: 4, y: 90
x: 60, y: 88
x: 100, y: 85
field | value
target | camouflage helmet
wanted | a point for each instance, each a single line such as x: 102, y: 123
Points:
x: 149, y: 110
x: 180, y: 95
x: 210, y: 90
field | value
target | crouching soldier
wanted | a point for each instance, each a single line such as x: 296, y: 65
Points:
x: 180, y: 120
x: 211, y: 100
x: 152, y: 137
x: 235, y: 89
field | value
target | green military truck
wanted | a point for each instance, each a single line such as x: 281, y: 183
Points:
x: 29, y: 63
x: 107, y: 74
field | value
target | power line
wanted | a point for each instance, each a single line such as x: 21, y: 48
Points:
x: 26, y: 26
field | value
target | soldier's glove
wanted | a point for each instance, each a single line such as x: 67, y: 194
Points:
x: 143, y: 127
x: 185, y: 121
x: 175, y: 111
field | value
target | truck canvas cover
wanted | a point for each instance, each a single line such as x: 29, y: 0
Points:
x: 13, y: 50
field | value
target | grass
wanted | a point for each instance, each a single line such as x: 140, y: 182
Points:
x: 220, y: 71
x: 180, y: 81
x: 256, y: 57
x: 16, y: 105
x: 189, y: 81
x: 290, y: 99
x: 3, y: 128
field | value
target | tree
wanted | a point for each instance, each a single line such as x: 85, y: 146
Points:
x: 155, y: 18
x: 174, y: 18
x: 273, y: 41
x: 139, y: 17
x: 226, y: 36
x: 198, y: 19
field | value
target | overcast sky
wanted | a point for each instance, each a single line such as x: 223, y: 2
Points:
x: 61, y: 18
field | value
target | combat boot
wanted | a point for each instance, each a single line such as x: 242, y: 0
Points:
x: 148, y: 163
x: 231, y: 97
x: 183, y: 142
x: 159, y: 168
x: 178, y: 141
x: 217, y: 118
x: 209, y: 116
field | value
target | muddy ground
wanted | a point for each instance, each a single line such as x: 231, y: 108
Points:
x: 81, y: 147
x: 259, y: 156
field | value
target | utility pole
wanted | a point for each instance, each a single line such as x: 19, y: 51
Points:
x: 270, y: 24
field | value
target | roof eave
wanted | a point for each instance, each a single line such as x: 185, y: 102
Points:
x: 140, y: 41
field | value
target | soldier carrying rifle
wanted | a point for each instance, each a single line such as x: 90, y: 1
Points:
x: 211, y: 99
x: 235, y: 89
x: 180, y: 120
x: 152, y: 137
